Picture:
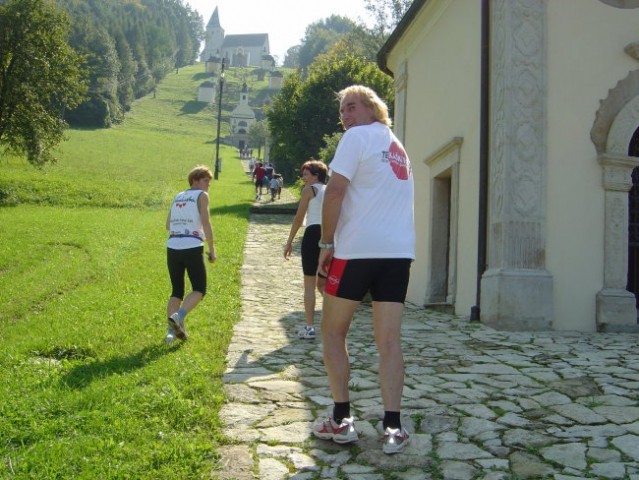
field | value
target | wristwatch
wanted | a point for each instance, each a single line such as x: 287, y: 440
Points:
x: 321, y: 244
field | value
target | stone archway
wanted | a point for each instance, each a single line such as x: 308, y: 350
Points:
x: 613, y: 129
x: 622, y: 3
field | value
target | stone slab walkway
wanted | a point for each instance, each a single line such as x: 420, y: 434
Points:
x: 480, y: 403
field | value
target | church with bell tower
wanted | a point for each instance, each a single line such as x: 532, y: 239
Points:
x: 241, y: 50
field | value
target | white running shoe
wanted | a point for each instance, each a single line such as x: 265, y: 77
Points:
x: 395, y: 440
x: 307, y: 333
x: 327, y: 429
x: 170, y: 335
x: 178, y: 326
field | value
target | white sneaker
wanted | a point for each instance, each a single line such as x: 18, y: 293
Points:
x: 178, y: 326
x: 395, y: 440
x: 170, y: 335
x: 307, y: 333
x: 327, y: 429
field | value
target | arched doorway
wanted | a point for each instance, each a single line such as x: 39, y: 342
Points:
x: 614, y: 133
x: 240, y: 58
x: 633, y: 223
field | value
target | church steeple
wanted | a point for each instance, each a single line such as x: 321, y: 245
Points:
x: 214, y: 22
x: 214, y: 37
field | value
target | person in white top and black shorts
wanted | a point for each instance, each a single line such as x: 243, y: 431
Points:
x: 309, y: 208
x: 189, y: 226
x: 367, y: 246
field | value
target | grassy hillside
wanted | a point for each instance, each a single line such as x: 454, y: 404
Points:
x: 88, y: 388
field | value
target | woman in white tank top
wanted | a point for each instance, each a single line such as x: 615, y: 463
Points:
x: 314, y: 173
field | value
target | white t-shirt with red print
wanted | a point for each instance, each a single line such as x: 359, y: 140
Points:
x: 376, y: 219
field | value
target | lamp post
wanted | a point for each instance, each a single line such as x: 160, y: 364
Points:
x: 219, y: 121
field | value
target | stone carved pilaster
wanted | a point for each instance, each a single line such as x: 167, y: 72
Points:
x: 401, y: 86
x: 615, y: 305
x: 516, y: 289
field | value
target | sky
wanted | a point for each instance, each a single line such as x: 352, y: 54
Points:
x: 285, y: 21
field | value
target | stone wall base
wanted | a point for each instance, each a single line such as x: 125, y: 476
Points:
x: 616, y: 311
x: 517, y: 299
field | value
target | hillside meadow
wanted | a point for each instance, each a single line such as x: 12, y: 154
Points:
x: 89, y: 389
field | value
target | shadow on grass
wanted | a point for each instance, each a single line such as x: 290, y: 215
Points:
x: 192, y: 107
x: 286, y: 208
x: 203, y: 76
x: 240, y: 210
x: 81, y: 376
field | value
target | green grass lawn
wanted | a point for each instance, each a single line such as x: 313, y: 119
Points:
x: 89, y: 390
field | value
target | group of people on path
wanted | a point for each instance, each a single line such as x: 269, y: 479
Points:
x: 245, y: 153
x: 359, y: 239
x: 264, y: 177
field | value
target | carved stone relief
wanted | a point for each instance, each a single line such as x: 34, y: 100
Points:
x: 618, y: 98
x: 401, y: 88
x: 518, y: 153
x: 623, y: 127
x: 517, y: 183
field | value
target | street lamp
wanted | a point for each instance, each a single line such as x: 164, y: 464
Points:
x: 219, y: 121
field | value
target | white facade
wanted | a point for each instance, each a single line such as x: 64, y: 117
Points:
x: 242, y: 118
x: 563, y: 105
x: 206, y: 92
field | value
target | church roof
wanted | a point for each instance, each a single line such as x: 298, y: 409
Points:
x: 245, y: 40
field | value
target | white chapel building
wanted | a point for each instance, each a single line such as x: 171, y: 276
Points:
x: 521, y: 119
x: 242, y: 118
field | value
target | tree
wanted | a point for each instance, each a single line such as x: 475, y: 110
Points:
x: 318, y: 42
x: 292, y: 58
x: 305, y: 111
x: 368, y: 41
x: 102, y: 64
x: 258, y: 134
x: 129, y: 46
x: 320, y: 37
x: 327, y: 152
x: 40, y: 77
x: 387, y: 14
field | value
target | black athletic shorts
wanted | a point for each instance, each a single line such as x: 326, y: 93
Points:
x: 310, y: 249
x: 385, y: 278
x: 190, y: 260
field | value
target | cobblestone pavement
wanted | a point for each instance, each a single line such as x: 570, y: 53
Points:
x: 480, y: 403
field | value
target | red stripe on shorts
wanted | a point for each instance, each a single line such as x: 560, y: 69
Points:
x: 335, y: 273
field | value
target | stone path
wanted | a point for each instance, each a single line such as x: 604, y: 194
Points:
x: 480, y: 403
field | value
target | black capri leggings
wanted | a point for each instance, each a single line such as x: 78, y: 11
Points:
x: 190, y: 260
x: 310, y: 249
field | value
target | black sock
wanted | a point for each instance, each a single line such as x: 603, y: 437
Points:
x: 392, y: 420
x: 341, y: 411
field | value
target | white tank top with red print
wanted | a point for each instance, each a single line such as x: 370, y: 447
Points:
x: 185, y: 224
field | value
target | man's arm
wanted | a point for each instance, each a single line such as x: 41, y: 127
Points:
x: 331, y: 209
